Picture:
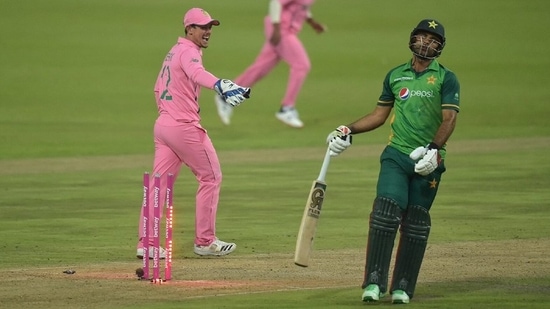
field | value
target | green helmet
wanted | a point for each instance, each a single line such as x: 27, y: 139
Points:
x: 431, y: 26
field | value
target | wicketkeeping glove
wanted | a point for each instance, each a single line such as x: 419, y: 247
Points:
x: 429, y: 159
x: 339, y: 140
x: 232, y: 93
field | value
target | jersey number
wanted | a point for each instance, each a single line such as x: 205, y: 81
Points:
x: 165, y: 95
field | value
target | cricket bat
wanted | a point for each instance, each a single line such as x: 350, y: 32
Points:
x: 312, y: 211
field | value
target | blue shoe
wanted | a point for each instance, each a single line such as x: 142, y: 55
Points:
x: 399, y: 297
x: 371, y: 293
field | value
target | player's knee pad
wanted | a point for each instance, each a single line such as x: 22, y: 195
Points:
x: 416, y: 223
x: 415, y: 230
x: 383, y: 225
x: 385, y: 215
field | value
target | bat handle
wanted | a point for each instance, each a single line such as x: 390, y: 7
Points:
x: 324, y: 167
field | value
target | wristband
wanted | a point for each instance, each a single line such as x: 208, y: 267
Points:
x: 433, y: 145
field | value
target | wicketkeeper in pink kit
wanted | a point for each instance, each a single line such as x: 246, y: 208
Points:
x: 281, y: 28
x: 178, y: 135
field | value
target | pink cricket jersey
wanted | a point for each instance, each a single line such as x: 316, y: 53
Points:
x: 178, y: 84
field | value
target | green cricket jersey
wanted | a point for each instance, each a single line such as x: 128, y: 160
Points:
x: 417, y: 100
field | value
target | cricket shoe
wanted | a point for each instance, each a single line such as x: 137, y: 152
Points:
x: 399, y: 297
x: 371, y: 293
x: 162, y: 253
x: 289, y: 116
x: 217, y: 248
x: 225, y: 111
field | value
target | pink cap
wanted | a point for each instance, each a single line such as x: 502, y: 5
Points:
x: 197, y: 16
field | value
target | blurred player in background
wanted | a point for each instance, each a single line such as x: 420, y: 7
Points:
x: 425, y: 97
x: 281, y: 28
x: 178, y: 135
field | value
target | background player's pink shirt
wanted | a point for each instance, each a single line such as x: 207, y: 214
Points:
x: 293, y: 14
x: 178, y: 84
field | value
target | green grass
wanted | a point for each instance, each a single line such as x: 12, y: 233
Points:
x: 76, y: 116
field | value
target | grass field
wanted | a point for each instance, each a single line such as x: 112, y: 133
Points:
x: 76, y: 116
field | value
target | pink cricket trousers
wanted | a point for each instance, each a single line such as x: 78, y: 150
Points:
x: 188, y: 143
x: 290, y: 50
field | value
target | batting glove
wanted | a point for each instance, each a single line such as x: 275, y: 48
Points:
x: 429, y: 159
x: 418, y: 153
x: 339, y: 140
x: 232, y: 93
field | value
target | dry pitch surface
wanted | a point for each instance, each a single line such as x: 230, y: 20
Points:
x: 235, y: 274
x: 195, y: 277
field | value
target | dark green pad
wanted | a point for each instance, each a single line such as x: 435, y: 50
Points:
x: 415, y: 230
x: 383, y: 225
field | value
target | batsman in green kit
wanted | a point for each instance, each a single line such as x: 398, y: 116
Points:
x: 424, y: 98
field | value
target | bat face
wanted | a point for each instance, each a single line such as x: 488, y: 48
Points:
x: 312, y: 212
x: 306, y: 234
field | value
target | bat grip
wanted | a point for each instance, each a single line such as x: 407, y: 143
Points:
x: 324, y: 167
